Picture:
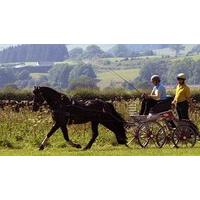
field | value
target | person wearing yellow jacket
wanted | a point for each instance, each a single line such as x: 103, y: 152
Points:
x: 182, y: 97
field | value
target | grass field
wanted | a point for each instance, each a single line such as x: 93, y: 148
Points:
x: 107, y: 77
x: 36, y: 76
x: 21, y: 133
x: 103, y: 151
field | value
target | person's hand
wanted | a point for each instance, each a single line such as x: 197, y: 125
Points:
x: 145, y: 96
x: 174, y: 102
x: 173, y: 106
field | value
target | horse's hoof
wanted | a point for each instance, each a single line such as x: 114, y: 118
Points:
x: 78, y: 146
x: 86, y: 148
x: 41, y: 148
x: 126, y: 145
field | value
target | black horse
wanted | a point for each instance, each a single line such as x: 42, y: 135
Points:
x: 66, y: 111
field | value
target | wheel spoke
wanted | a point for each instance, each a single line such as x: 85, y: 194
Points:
x: 184, y: 136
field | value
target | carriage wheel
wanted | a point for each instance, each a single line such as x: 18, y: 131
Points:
x: 161, y: 137
x: 131, y: 129
x: 184, y: 136
x: 147, y: 132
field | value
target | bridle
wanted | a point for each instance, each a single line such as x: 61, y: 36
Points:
x: 38, y: 99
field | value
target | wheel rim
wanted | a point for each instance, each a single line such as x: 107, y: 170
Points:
x: 143, y: 137
x: 184, y: 136
x: 147, y: 132
x: 161, y: 137
x: 131, y: 134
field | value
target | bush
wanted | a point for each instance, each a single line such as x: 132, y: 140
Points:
x: 88, y: 93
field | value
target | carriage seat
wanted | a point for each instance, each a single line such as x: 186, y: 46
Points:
x: 168, y: 115
x: 162, y: 106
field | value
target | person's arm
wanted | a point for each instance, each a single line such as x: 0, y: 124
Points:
x: 174, y: 102
x: 156, y: 95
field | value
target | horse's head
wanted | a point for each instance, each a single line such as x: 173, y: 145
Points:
x: 38, y: 98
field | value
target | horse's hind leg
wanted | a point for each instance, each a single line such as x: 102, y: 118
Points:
x: 65, y: 134
x: 51, y: 132
x: 95, y: 133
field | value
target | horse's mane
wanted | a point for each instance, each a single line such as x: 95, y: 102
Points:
x: 51, y: 92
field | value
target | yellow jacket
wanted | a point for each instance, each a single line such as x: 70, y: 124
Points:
x: 182, y: 93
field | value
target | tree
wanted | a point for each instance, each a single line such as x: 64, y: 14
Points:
x: 181, y: 66
x: 196, y: 49
x: 80, y: 73
x: 76, y: 53
x: 177, y: 48
x: 168, y: 71
x: 82, y: 69
x: 24, y: 75
x: 195, y: 73
x: 59, y: 74
x: 7, y: 76
x: 159, y: 67
x: 34, y: 53
x: 120, y: 50
x: 93, y: 51
x: 82, y: 82
x: 148, y: 53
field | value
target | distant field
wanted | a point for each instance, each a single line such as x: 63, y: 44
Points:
x: 168, y: 51
x: 107, y: 77
x: 195, y: 57
x: 68, y: 61
x: 37, y: 75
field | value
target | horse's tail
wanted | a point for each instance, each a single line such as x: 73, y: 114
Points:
x: 115, y: 113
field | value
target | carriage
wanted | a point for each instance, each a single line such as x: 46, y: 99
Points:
x: 161, y: 128
x: 157, y: 128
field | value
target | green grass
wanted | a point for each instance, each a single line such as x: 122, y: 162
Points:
x: 21, y: 133
x: 103, y: 151
x: 107, y: 77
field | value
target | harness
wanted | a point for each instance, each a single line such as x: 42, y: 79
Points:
x: 61, y: 107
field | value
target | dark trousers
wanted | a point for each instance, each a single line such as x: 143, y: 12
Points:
x: 147, y: 104
x: 182, y: 110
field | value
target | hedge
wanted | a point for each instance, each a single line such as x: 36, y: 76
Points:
x: 85, y: 94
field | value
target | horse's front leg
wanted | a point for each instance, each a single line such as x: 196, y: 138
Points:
x: 65, y: 134
x: 51, y: 132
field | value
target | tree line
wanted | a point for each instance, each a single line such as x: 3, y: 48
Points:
x: 168, y: 70
x: 59, y: 52
x: 34, y: 53
x: 59, y: 76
